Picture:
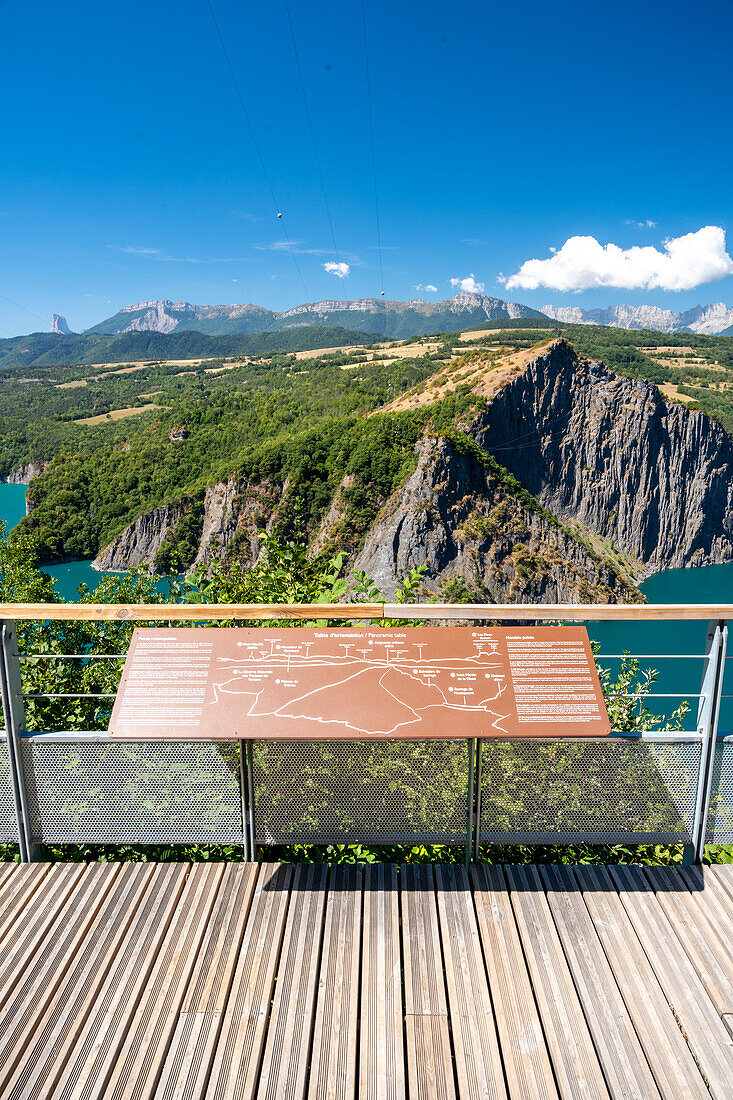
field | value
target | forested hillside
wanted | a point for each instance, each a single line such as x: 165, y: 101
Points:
x: 44, y: 349
x: 122, y: 440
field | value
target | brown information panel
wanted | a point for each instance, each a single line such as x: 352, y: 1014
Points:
x: 356, y: 684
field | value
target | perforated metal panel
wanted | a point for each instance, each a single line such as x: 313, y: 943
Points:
x: 344, y: 792
x: 8, y: 823
x: 612, y: 790
x: 133, y: 792
x: 720, y: 816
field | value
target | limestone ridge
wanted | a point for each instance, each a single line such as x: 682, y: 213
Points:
x: 708, y: 320
x: 610, y: 452
x: 376, y: 315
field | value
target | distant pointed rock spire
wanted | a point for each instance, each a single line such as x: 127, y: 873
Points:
x: 59, y: 324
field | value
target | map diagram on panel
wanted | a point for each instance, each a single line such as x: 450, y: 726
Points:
x: 373, y: 685
x: 361, y: 683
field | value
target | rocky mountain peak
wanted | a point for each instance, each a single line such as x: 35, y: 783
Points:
x: 59, y: 325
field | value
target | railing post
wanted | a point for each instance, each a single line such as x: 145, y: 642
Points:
x: 249, y: 776
x: 471, y: 799
x: 244, y: 800
x: 477, y: 803
x: 707, y: 728
x: 14, y: 719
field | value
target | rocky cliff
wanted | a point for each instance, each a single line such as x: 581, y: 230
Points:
x: 140, y: 541
x: 24, y: 474
x: 610, y: 452
x: 481, y: 540
x: 228, y: 521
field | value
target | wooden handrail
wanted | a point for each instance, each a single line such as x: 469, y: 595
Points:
x: 107, y: 612
x: 565, y: 611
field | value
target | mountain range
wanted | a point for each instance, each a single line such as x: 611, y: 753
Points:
x: 392, y: 319
x: 710, y: 320
x: 380, y: 317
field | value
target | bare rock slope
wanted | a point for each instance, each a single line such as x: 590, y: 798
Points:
x: 481, y: 540
x: 611, y: 452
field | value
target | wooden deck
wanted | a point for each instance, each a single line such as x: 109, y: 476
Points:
x: 227, y: 981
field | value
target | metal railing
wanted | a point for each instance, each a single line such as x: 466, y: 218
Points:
x: 82, y: 787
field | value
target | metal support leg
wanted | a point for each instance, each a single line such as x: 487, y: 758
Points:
x: 244, y: 796
x: 707, y: 726
x: 477, y: 803
x: 249, y: 776
x: 14, y: 719
x: 471, y: 800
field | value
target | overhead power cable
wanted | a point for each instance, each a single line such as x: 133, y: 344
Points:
x: 28, y: 311
x: 250, y: 128
x: 313, y: 140
x: 371, y: 137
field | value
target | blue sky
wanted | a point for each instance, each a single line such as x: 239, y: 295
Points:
x: 500, y: 132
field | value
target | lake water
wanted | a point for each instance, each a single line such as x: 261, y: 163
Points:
x: 711, y: 584
x: 71, y: 574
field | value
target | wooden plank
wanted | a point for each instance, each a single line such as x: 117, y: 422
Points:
x: 38, y: 920
x: 424, y: 980
x: 577, y: 1070
x: 526, y: 1059
x: 138, y: 1065
x: 723, y: 873
x: 687, y: 997
x: 334, y: 1058
x: 195, y: 1029
x: 623, y: 1061
x: 543, y: 612
x: 176, y: 612
x: 34, y: 1066
x: 235, y: 1070
x: 34, y: 986
x: 45, y: 612
x: 90, y: 1055
x: 710, y: 891
x: 728, y: 1021
x: 667, y: 1052
x: 25, y: 880
x: 699, y: 927
x: 381, y: 1053
x: 6, y: 871
x: 285, y: 1062
x: 427, y: 1034
x: 476, y: 1047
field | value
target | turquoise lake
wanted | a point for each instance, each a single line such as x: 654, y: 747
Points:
x: 71, y: 574
x: 711, y: 584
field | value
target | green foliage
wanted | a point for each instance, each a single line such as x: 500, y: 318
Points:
x: 45, y: 349
x: 270, y: 422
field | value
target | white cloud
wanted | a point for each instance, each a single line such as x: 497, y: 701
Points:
x: 427, y: 287
x: 468, y: 284
x: 138, y: 251
x: 339, y: 270
x: 648, y: 224
x: 156, y: 254
x: 583, y: 262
